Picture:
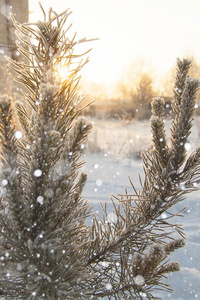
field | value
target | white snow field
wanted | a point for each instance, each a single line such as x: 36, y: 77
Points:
x: 112, y: 156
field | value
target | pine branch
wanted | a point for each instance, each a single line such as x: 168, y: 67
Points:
x: 11, y: 169
x: 183, y: 67
x: 49, y: 262
x: 143, y: 225
x: 23, y: 118
x: 183, y: 122
x: 158, y: 131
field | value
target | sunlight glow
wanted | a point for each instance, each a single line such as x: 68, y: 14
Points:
x: 63, y: 73
x: 130, y: 29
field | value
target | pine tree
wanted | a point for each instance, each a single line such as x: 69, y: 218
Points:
x: 47, y: 250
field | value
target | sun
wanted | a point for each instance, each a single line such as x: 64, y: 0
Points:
x: 63, y: 73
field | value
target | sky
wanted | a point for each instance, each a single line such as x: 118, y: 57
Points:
x: 158, y: 31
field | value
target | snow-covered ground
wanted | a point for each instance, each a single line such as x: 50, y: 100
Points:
x: 111, y: 157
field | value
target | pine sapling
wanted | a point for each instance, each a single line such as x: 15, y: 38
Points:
x: 44, y: 236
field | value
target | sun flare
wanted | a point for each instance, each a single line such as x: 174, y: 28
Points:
x: 63, y: 73
x: 127, y: 30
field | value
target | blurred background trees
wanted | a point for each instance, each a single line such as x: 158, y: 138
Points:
x: 132, y: 94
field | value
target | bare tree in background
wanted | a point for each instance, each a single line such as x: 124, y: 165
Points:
x: 136, y: 89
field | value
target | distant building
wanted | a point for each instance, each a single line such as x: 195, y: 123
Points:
x: 19, y: 8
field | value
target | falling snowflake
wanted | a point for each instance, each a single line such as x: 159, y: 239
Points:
x: 105, y: 264
x: 37, y: 173
x: 49, y: 193
x: 144, y: 294
x: 164, y: 215
x: 109, y: 286
x: 98, y: 182
x: 18, y: 134
x: 40, y: 200
x: 19, y: 267
x: 187, y: 146
x: 4, y: 182
x: 139, y: 280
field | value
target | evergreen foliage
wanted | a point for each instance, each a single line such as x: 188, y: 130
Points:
x: 47, y: 250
